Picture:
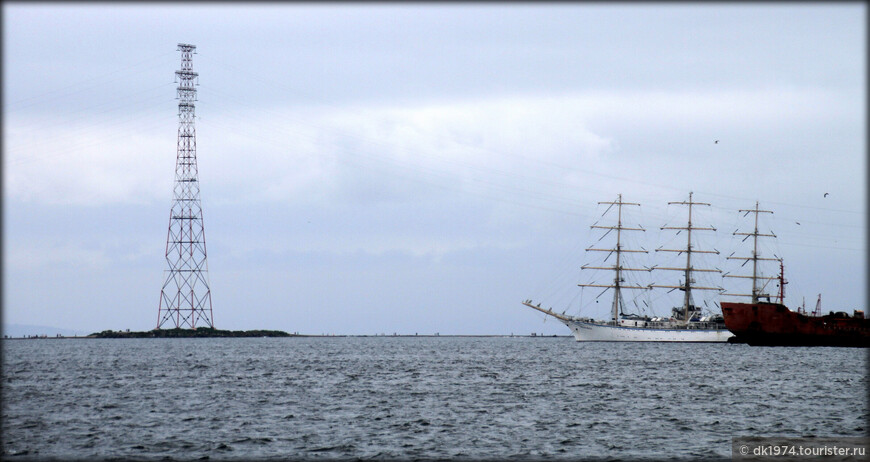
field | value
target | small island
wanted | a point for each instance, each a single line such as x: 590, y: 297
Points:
x: 185, y: 333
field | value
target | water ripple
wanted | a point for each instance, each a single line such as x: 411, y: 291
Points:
x: 427, y: 398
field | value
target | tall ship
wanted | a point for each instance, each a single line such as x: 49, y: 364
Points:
x: 686, y: 323
x: 766, y: 321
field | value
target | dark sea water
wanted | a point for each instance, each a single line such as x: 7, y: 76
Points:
x: 424, y: 398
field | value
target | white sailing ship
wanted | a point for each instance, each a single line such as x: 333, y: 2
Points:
x: 685, y: 324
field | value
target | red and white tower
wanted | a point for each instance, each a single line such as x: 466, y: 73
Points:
x: 185, y: 300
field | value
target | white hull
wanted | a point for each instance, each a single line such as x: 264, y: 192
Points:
x: 592, y: 332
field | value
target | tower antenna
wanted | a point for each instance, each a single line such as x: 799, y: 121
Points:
x: 185, y: 299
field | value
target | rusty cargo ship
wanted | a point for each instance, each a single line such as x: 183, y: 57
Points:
x: 766, y: 321
x: 773, y: 324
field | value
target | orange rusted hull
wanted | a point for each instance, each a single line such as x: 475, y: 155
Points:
x: 773, y: 324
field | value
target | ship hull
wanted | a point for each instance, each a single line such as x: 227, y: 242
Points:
x: 594, y: 332
x: 773, y: 324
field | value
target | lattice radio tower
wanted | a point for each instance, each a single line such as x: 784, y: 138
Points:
x: 185, y: 300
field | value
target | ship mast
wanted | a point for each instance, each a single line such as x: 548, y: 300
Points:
x: 617, y: 268
x: 687, y: 286
x: 782, y: 282
x: 756, y: 291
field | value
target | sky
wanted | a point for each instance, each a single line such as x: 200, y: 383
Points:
x: 423, y: 168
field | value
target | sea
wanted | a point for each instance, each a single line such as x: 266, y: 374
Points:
x: 417, y: 398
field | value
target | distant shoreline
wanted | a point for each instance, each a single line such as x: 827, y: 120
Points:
x: 126, y: 335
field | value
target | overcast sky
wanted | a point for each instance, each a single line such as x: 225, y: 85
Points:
x: 422, y: 168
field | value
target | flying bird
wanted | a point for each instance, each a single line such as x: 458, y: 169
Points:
x: 716, y: 142
x: 797, y: 223
x: 826, y: 195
